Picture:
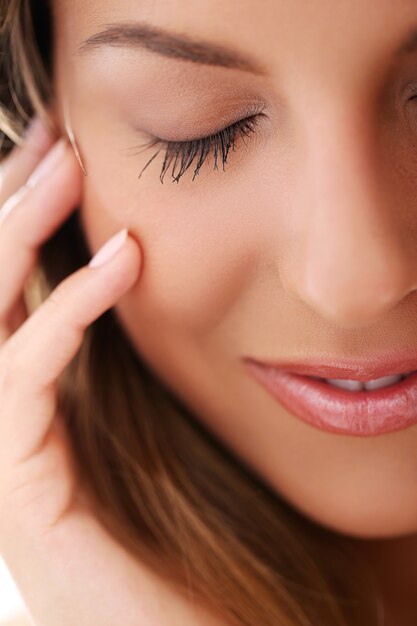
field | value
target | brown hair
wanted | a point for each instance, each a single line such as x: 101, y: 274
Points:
x: 163, y: 485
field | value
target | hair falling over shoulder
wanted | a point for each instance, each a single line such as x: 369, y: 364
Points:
x: 163, y: 485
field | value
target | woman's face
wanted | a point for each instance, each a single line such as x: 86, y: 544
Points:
x: 303, y: 247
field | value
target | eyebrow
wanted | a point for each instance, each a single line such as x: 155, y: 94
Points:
x: 183, y: 47
x: 172, y: 45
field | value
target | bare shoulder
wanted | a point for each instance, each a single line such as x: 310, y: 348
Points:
x: 19, y: 620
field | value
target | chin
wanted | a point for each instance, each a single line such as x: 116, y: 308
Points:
x: 367, y: 522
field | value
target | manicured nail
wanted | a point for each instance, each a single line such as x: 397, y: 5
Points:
x: 110, y: 248
x: 47, y: 165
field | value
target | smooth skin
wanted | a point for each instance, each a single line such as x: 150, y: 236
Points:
x: 305, y: 245
x: 67, y: 568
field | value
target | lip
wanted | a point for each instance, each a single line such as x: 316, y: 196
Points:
x: 364, y: 370
x: 332, y: 409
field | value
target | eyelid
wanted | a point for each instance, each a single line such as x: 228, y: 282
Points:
x: 221, y: 123
x: 188, y: 150
x: 220, y: 142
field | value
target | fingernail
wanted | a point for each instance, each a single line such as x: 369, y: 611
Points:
x: 48, y: 163
x: 110, y: 248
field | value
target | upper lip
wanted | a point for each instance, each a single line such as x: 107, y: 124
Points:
x: 364, y: 369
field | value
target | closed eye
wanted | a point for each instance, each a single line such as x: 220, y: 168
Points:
x: 182, y: 154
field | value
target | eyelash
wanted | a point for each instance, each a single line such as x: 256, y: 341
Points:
x: 181, y: 154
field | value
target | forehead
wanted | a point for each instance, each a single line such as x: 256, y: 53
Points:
x: 238, y: 18
x: 326, y: 35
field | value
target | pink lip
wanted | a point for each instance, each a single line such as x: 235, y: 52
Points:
x: 364, y: 369
x: 361, y: 413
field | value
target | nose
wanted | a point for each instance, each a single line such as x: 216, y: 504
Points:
x: 354, y: 267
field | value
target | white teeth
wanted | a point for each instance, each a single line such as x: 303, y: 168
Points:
x: 357, y: 385
x: 351, y: 385
x: 385, y: 381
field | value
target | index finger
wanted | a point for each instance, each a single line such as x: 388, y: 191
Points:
x: 36, y: 354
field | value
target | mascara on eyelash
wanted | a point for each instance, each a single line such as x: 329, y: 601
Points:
x: 181, y: 154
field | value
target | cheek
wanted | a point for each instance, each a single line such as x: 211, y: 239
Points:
x: 203, y: 242
x: 199, y: 251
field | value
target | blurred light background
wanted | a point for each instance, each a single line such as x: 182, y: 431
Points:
x: 11, y: 603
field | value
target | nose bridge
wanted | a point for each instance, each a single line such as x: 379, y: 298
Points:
x: 354, y: 267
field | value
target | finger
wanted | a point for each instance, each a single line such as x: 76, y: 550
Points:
x: 17, y: 317
x: 18, y: 165
x: 37, y: 212
x: 34, y: 357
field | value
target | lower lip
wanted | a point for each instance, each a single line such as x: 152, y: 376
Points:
x: 335, y: 410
